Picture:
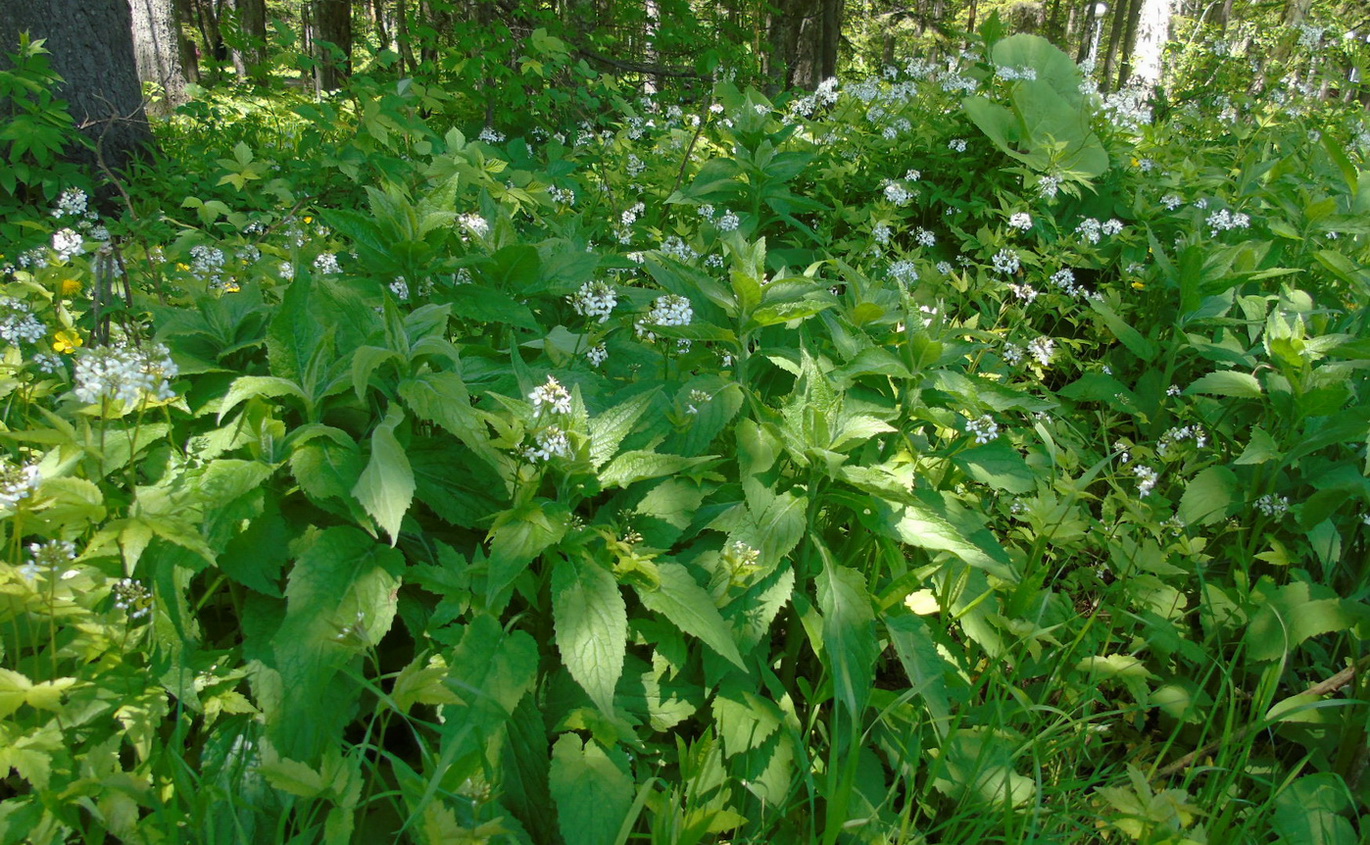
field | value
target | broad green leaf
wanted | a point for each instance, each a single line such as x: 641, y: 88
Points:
x: 295, y: 332
x: 248, y: 387
x: 849, y: 641
x: 518, y: 537
x: 919, y: 524
x: 1312, y: 810
x: 591, y: 626
x: 386, y: 486
x: 293, y: 777
x: 1292, y: 614
x: 1261, y: 448
x: 1208, y: 497
x: 997, y: 464
x: 640, y: 465
x: 686, y: 604
x: 442, y: 398
x: 592, y: 792
x: 340, y: 599
x: 14, y: 689
x: 1227, y: 383
x: 610, y: 427
x: 744, y: 719
x: 1130, y: 337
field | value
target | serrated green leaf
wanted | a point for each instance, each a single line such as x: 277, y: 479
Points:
x: 1312, y: 810
x: 1208, y: 497
x: 1227, y: 383
x: 591, y: 620
x: 690, y: 608
x: 999, y: 465
x: 640, y: 465
x: 1261, y: 448
x: 518, y: 537
x: 1292, y: 614
x: 919, y: 524
x: 248, y: 387
x: 386, y: 487
x: 849, y: 642
x: 613, y: 425
x: 593, y: 794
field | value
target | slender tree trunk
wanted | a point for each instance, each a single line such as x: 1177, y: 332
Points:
x: 92, y: 49
x: 331, y: 22
x: 1115, y: 37
x: 407, y: 62
x: 249, y: 52
x: 156, y: 52
x: 805, y: 37
x: 1134, y: 15
x: 190, y: 54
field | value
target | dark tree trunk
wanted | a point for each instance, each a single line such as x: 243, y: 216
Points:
x: 804, y: 36
x: 1120, y: 14
x: 190, y: 54
x: 1134, y: 14
x: 249, y: 51
x: 407, y: 62
x: 157, y: 53
x: 331, y: 35
x: 92, y: 48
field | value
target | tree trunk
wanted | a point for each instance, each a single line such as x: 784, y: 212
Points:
x: 1115, y: 38
x: 1153, y: 32
x: 249, y: 51
x: 190, y: 54
x: 331, y: 36
x: 92, y: 48
x: 156, y: 51
x: 1134, y: 15
x: 805, y: 36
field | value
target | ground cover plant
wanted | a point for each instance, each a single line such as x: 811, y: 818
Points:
x: 951, y: 455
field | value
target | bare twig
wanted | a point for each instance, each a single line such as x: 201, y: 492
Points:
x: 1331, y: 685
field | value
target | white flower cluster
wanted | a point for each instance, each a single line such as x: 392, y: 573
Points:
x: 132, y: 598
x: 552, y: 395
x: 1146, y: 480
x: 597, y: 354
x: 17, y: 482
x: 1223, y: 220
x: 1273, y: 506
x: 1048, y: 186
x: 957, y: 145
x: 635, y: 166
x: 1026, y: 293
x: 47, y: 558
x: 71, y: 203
x: 676, y: 247
x: 207, y: 263
x: 904, y: 272
x: 490, y: 136
x: 1172, y: 201
x: 475, y: 224
x: 125, y: 374
x: 728, y: 222
x: 1091, y: 229
x: 550, y: 442
x: 563, y: 196
x: 882, y: 233
x: 17, y: 322
x: 1022, y: 221
x: 670, y: 310
x: 327, y: 262
x: 924, y: 238
x: 1006, y: 261
x: 287, y: 270
x: 1013, y: 354
x: 400, y: 288
x: 944, y: 267
x: 1041, y: 349
x: 1178, y: 435
x: 984, y: 429
x: 1128, y: 108
x: 897, y: 193
x: 67, y: 243
x: 594, y: 299
x: 1064, y: 281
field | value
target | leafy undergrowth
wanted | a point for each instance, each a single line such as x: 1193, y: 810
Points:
x: 952, y: 456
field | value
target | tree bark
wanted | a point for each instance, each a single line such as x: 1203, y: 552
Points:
x: 92, y: 48
x: 249, y: 50
x: 331, y: 36
x: 156, y: 52
x: 1153, y: 32
x: 805, y: 36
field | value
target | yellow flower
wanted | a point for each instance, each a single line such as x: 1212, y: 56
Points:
x: 231, y: 286
x: 184, y: 268
x: 66, y: 341
x: 308, y: 219
x: 70, y: 287
x: 1139, y: 286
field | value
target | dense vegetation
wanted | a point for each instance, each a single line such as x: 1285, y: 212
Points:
x: 953, y: 454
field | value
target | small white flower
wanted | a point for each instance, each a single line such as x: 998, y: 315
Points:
x: 1006, y: 261
x: 597, y: 354
x: 904, y: 271
x: 957, y: 145
x: 924, y: 238
x: 594, y: 299
x: 1272, y: 505
x: 66, y: 243
x: 1146, y: 480
x: 17, y: 481
x: 550, y: 395
x: 1022, y: 221
x: 1041, y: 349
x: 327, y: 262
x: 984, y: 429
x: 728, y: 222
